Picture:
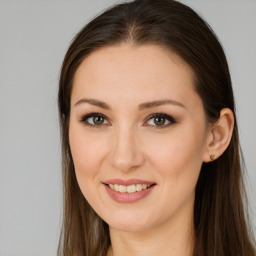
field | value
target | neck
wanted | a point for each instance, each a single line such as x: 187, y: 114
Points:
x: 171, y: 238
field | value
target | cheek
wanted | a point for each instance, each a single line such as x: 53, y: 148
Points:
x: 87, y: 152
x: 178, y: 154
x: 177, y: 161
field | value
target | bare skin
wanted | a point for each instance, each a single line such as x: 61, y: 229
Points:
x: 121, y: 140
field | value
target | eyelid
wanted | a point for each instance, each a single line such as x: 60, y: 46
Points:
x: 84, y: 119
x: 170, y: 119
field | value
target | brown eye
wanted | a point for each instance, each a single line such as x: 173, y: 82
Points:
x: 94, y: 120
x: 98, y: 120
x: 159, y: 120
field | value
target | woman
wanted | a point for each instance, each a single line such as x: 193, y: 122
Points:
x: 151, y: 159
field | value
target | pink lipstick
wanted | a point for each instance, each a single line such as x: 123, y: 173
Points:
x: 128, y: 191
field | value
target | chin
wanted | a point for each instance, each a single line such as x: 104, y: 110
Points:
x: 129, y: 223
x: 129, y: 227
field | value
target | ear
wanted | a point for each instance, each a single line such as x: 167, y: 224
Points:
x: 219, y: 135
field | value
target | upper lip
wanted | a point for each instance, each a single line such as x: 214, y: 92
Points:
x: 128, y: 182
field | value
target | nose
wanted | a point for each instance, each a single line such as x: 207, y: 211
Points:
x: 126, y: 154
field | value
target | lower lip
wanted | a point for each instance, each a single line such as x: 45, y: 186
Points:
x: 128, y: 197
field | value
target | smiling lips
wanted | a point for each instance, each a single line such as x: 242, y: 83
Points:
x: 128, y: 191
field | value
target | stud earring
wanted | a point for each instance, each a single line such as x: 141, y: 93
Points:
x: 212, y: 157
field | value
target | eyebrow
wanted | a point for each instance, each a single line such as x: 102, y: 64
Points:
x: 159, y: 103
x: 94, y: 102
x: 142, y: 106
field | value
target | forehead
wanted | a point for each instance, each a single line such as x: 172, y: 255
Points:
x: 133, y: 72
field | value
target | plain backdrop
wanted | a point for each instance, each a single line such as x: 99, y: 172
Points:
x: 34, y: 36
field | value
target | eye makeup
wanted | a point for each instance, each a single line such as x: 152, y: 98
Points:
x: 161, y: 120
x: 156, y: 120
x: 94, y: 120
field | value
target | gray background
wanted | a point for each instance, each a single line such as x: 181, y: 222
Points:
x: 34, y: 36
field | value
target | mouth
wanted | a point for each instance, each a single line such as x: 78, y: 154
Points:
x: 133, y: 188
x: 128, y: 191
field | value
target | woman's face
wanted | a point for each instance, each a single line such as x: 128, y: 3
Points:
x: 138, y: 136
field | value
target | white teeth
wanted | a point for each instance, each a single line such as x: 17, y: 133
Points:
x: 138, y: 187
x: 129, y: 189
x: 122, y: 188
x: 144, y: 186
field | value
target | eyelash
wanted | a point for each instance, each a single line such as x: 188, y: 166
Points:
x: 170, y: 119
x: 84, y: 119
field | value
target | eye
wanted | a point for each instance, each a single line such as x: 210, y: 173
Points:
x: 94, y: 120
x: 160, y: 120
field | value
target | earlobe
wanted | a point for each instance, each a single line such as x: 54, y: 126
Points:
x: 219, y: 135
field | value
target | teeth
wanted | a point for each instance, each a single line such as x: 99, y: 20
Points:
x: 129, y: 189
x: 138, y: 187
x: 144, y: 186
x: 122, y: 189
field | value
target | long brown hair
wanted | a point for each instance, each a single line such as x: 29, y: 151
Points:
x: 220, y: 211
